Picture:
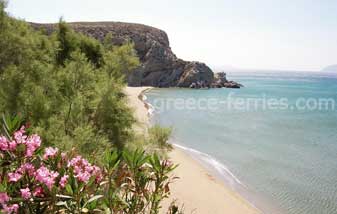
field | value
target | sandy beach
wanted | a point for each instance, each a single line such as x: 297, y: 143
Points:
x: 196, y: 189
x: 134, y: 95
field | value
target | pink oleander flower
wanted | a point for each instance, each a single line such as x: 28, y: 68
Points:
x: 50, y: 153
x: 32, y: 143
x: 19, y: 135
x: 77, y: 161
x: 26, y: 168
x: 10, y: 209
x: 98, y: 173
x: 14, y: 176
x: 83, y: 176
x: 63, y: 155
x: 12, y: 145
x: 83, y: 170
x: 64, y: 180
x: 25, y: 193
x: 3, y: 143
x: 46, y: 176
x: 4, y: 198
x: 38, y: 192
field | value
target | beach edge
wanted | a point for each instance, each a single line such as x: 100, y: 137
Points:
x: 197, y: 190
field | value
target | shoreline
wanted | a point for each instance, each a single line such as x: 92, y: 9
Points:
x: 140, y: 108
x: 196, y: 190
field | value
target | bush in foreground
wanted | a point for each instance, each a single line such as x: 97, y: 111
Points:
x: 37, y: 180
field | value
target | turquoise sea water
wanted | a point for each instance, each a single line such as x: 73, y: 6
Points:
x: 283, y: 158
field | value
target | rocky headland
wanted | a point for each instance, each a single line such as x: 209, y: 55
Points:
x: 160, y: 67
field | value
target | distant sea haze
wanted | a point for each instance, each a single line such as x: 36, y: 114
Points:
x: 281, y: 156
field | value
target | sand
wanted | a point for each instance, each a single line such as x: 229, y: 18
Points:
x: 134, y: 95
x: 196, y: 189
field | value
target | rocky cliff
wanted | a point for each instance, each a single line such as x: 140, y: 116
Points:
x: 159, y: 65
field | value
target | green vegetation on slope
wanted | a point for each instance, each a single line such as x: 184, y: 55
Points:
x: 67, y: 86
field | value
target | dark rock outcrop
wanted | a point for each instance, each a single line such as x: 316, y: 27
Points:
x: 159, y: 65
x: 220, y: 80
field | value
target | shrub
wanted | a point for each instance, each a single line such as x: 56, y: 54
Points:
x: 67, y: 85
x: 159, y: 136
x: 36, y: 180
x: 69, y: 41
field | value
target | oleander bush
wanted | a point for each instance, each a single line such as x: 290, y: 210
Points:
x: 37, y: 180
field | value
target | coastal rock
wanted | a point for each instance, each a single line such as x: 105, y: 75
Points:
x: 232, y: 84
x: 160, y: 67
x: 220, y: 80
x: 196, y: 72
x: 220, y: 77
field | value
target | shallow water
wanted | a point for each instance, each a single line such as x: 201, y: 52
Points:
x: 286, y: 156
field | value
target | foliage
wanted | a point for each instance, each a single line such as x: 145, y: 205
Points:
x: 66, y: 85
x: 121, y: 60
x: 159, y: 136
x: 19, y: 45
x: 69, y: 88
x: 36, y: 180
x: 70, y: 42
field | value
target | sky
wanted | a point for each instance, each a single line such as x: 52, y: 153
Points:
x: 246, y: 34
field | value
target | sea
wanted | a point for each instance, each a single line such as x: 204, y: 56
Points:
x: 274, y: 140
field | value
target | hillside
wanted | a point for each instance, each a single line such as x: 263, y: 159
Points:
x: 159, y: 65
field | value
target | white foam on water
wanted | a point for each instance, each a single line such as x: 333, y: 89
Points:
x: 220, y: 168
x: 151, y: 108
x: 211, y: 162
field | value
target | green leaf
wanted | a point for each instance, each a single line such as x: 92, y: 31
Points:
x: 64, y: 196
x: 61, y: 203
x: 69, y: 189
x: 91, y: 181
x: 94, y: 198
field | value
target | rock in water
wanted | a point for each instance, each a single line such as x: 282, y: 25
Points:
x: 220, y: 81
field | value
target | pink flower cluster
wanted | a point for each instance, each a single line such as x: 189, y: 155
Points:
x: 38, y: 192
x: 83, y: 170
x: 43, y: 174
x: 32, y: 142
x: 25, y: 193
x: 6, y: 208
x: 31, y: 178
x: 10, y: 209
x: 6, y: 145
x: 50, y: 153
x: 24, y: 168
x: 64, y: 181
x: 4, y: 198
x: 46, y: 176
